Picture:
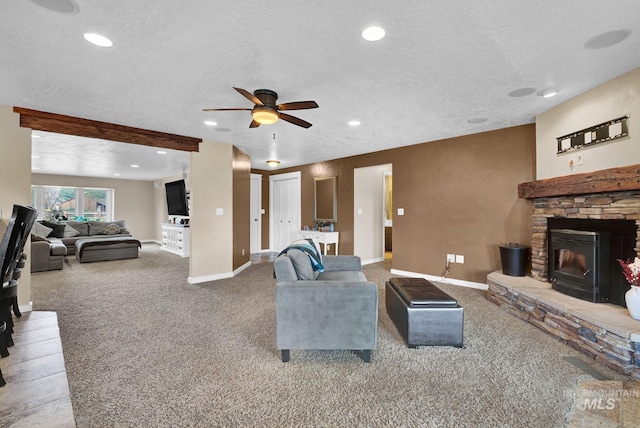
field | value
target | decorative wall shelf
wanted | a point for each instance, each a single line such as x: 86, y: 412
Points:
x: 606, y: 131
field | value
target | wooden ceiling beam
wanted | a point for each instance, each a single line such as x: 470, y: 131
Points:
x: 620, y: 179
x: 61, y: 124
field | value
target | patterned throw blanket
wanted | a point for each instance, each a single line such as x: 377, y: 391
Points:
x: 309, y: 248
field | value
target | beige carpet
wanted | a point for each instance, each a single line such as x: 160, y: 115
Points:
x: 145, y: 348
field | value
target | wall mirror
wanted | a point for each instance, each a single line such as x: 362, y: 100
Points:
x: 325, y: 199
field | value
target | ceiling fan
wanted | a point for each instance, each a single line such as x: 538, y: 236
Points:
x: 266, y: 111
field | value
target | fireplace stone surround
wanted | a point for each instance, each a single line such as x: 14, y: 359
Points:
x: 603, y: 331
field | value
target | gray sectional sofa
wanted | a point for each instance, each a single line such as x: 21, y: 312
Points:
x: 329, y: 310
x: 48, y: 251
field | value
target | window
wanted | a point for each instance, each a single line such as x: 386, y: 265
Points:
x: 72, y: 203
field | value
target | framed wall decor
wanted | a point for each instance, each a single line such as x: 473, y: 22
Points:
x: 605, y: 131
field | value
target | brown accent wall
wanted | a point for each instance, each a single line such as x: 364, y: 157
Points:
x: 241, y: 207
x: 460, y: 196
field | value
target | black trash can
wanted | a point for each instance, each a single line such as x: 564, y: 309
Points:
x: 514, y: 259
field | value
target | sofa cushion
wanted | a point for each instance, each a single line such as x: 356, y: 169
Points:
x: 41, y: 230
x: 96, y: 226
x: 311, y: 249
x: 37, y: 238
x: 110, y: 229
x: 70, y: 232
x: 81, y: 226
x: 57, y: 248
x: 342, y: 275
x: 57, y: 228
x: 301, y: 264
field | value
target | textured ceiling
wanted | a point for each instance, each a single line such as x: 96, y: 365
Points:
x: 440, y: 65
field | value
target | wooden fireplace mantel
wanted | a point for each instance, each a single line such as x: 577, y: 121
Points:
x: 606, y: 180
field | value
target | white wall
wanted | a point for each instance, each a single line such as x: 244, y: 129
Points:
x: 368, y: 218
x: 15, y: 181
x: 616, y: 98
x: 133, y: 200
x: 211, y: 234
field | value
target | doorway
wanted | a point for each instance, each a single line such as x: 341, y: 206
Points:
x: 255, y: 214
x: 369, y: 212
x: 387, y: 202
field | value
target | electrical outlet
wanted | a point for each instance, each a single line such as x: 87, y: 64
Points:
x: 243, y: 251
x: 579, y: 160
x: 459, y: 259
x: 451, y: 258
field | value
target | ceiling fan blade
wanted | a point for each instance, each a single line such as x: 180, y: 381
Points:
x: 225, y: 109
x: 248, y: 95
x: 254, y: 124
x: 297, y: 105
x: 294, y: 120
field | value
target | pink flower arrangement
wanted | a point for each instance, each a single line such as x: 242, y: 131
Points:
x: 631, y: 271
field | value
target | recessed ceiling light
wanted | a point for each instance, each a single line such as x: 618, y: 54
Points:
x: 477, y: 120
x: 116, y: 174
x: 354, y: 123
x: 35, y: 157
x: 67, y: 7
x: 373, y: 33
x: 135, y: 166
x: 548, y: 93
x: 34, y: 168
x: 607, y: 39
x: 98, y: 40
x: 161, y: 152
x: 36, y: 136
x: 522, y: 92
x: 210, y: 123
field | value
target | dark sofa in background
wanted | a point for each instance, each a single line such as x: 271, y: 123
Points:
x: 48, y: 252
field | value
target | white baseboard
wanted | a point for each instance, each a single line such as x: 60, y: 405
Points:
x: 368, y: 262
x: 150, y: 241
x: 26, y: 308
x: 460, y: 282
x: 207, y: 278
x: 241, y: 268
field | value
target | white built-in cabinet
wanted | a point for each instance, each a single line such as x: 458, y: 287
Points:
x: 175, y: 239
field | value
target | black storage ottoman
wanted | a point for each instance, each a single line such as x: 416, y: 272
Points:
x: 423, y: 314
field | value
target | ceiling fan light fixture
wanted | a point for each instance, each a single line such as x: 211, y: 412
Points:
x: 273, y: 163
x: 264, y: 115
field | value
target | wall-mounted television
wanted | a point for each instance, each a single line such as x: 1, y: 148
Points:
x: 177, y: 203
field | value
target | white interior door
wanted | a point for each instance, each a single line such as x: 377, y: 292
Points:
x: 255, y: 211
x: 285, y: 209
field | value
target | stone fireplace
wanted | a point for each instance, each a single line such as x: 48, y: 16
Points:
x: 603, y: 206
x: 603, y: 331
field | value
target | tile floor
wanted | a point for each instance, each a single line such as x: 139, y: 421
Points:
x: 37, y: 391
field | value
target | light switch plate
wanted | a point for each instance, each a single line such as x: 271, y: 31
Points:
x: 459, y: 258
x: 219, y: 211
x: 400, y: 211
